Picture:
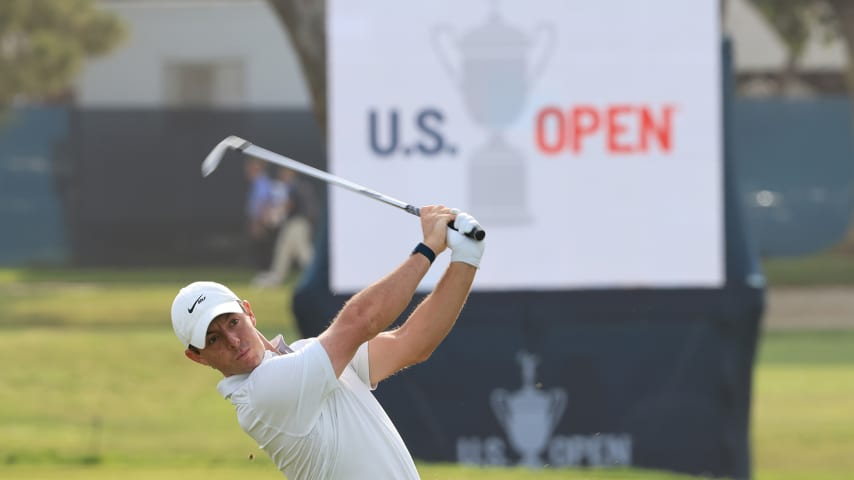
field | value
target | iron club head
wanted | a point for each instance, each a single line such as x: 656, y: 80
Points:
x: 212, y: 160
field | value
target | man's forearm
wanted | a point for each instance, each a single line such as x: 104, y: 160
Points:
x: 376, y: 307
x: 431, y: 321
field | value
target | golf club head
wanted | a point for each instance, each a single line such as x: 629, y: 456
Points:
x: 213, y: 158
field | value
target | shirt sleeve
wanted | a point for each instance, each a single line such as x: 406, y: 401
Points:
x: 288, y: 391
x: 362, y: 366
x: 259, y: 194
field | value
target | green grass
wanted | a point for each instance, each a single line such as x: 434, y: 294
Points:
x: 94, y: 385
x: 81, y: 298
x: 803, y: 406
x: 255, y: 470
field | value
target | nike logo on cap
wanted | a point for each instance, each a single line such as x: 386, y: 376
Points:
x: 198, y: 301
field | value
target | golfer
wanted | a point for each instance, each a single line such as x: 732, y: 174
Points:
x: 310, y: 406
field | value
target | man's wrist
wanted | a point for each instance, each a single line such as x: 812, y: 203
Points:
x: 423, y: 249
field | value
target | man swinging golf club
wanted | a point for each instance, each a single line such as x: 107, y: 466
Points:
x: 310, y: 406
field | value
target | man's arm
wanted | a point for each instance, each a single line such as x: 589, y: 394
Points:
x: 425, y: 329
x: 375, y: 308
x: 433, y: 319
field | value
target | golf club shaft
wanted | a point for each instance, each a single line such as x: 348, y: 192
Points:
x: 253, y: 150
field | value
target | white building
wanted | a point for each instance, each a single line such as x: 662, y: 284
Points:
x: 222, y: 53
x: 236, y: 53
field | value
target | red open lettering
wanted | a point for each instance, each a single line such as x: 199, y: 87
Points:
x: 617, y: 127
x: 662, y: 130
x: 584, y: 120
x: 546, y: 117
x: 625, y: 129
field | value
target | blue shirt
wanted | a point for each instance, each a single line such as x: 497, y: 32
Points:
x: 260, y: 195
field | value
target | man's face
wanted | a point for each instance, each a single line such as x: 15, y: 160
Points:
x: 253, y: 168
x: 232, y: 345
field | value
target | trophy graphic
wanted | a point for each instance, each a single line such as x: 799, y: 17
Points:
x: 528, y: 415
x: 493, y: 71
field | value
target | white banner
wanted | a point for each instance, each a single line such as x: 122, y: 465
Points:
x: 585, y: 136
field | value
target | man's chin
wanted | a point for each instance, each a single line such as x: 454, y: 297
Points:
x: 252, y: 359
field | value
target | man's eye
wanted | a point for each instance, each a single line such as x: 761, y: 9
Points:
x: 211, y: 339
x: 234, y: 321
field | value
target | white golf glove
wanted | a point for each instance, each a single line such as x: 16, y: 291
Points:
x: 463, y: 248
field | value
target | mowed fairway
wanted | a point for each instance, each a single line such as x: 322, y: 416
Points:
x: 94, y: 385
x: 803, y: 406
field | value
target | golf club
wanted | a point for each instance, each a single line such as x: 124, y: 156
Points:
x: 236, y: 143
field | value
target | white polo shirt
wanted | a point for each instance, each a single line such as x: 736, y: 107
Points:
x: 316, y: 426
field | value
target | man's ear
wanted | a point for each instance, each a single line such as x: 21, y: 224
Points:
x: 248, y: 310
x: 196, y: 357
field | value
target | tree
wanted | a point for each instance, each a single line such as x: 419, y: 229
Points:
x: 843, y: 13
x: 43, y: 44
x: 794, y: 21
x: 305, y: 22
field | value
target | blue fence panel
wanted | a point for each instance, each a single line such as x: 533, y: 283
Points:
x: 795, y: 163
x: 30, y: 214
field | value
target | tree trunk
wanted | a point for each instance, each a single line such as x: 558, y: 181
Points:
x: 787, y: 81
x: 305, y: 23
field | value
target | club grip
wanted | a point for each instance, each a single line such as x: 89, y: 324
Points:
x: 476, y: 234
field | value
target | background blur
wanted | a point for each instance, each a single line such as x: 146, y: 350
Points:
x: 147, y: 88
x: 108, y: 108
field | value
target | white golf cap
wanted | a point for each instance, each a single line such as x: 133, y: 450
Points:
x: 196, y: 305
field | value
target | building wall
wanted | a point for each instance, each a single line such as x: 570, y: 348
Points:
x: 237, y: 50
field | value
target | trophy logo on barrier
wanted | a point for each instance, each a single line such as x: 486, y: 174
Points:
x: 494, y: 70
x: 529, y: 415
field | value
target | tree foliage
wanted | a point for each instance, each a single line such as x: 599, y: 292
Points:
x: 795, y: 21
x: 43, y: 44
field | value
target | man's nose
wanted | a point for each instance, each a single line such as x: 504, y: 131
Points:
x: 233, y: 340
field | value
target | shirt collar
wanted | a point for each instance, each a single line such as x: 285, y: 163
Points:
x: 228, y: 385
